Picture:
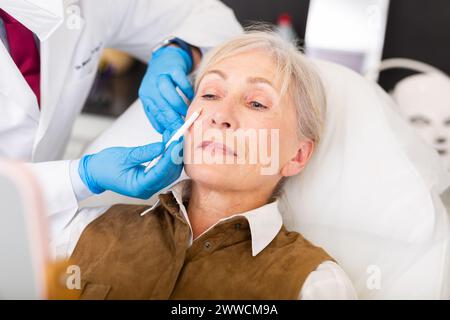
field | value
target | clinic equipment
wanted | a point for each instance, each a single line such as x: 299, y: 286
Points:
x: 180, y: 132
x: 348, y: 32
x: 23, y: 235
x: 423, y: 100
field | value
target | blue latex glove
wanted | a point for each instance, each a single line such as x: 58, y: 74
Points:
x: 168, y: 69
x: 121, y: 170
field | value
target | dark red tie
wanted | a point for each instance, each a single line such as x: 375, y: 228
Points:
x: 24, y: 52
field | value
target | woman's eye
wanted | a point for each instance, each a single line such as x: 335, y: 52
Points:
x: 419, y: 121
x: 257, y: 105
x: 447, y: 122
x: 209, y: 96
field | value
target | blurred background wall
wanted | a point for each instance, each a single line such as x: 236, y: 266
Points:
x: 416, y: 29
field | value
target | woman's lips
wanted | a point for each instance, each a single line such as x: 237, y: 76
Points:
x: 217, y: 146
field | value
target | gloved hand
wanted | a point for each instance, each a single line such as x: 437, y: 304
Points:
x: 168, y: 69
x: 120, y: 169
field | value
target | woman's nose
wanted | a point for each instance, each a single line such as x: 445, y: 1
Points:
x: 220, y: 123
x: 441, y: 140
x: 222, y: 117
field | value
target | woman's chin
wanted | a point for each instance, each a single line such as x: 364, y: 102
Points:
x: 216, y: 175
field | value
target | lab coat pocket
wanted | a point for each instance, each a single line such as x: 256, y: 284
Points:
x: 72, y: 99
x: 79, y: 79
x: 76, y: 92
x: 75, y: 95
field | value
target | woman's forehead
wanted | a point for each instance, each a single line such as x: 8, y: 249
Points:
x: 257, y: 62
x: 254, y: 68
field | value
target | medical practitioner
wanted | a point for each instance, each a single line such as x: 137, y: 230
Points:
x: 49, y: 52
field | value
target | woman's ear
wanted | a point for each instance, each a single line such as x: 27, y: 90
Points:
x: 296, y: 164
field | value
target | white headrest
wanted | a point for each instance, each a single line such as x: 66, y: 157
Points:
x: 369, y: 195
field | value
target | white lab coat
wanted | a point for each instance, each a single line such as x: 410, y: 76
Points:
x: 70, y: 48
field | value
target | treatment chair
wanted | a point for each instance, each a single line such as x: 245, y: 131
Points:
x: 370, y: 196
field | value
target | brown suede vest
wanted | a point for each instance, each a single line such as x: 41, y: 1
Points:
x: 122, y: 255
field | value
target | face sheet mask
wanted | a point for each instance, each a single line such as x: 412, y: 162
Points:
x: 424, y: 100
x: 42, y: 17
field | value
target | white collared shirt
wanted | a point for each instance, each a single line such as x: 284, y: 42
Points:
x: 328, y: 281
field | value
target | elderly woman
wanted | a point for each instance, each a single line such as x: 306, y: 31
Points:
x: 220, y: 235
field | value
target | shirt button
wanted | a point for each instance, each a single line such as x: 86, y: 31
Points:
x: 207, y: 244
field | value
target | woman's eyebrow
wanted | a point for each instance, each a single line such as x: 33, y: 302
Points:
x: 255, y: 80
x: 214, y: 71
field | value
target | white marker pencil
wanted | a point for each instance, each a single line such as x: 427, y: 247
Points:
x: 180, y: 132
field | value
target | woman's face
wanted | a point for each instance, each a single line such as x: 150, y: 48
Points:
x: 246, y: 136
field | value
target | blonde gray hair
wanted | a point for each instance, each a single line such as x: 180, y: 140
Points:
x: 298, y: 77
